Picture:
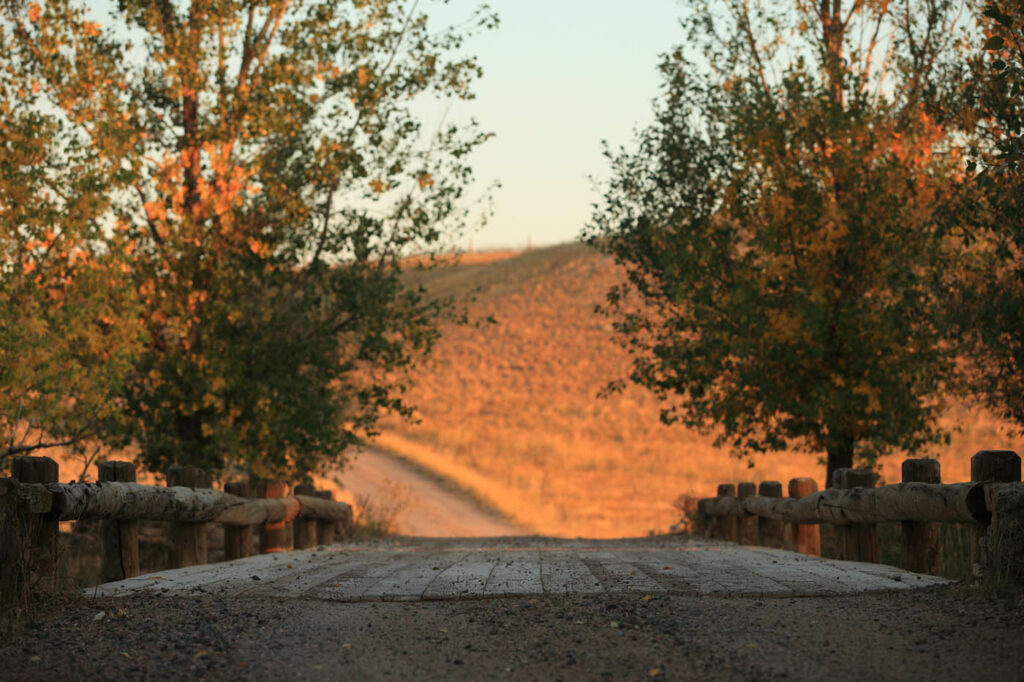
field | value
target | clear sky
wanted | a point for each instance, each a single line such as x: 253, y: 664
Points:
x: 559, y: 77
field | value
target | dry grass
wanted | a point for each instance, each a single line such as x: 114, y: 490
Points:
x: 510, y: 410
x: 378, y: 517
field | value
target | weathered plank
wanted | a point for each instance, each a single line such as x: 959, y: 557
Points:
x: 515, y: 573
x: 353, y: 583
x: 563, y: 572
x: 411, y: 581
x: 460, y: 569
x: 617, y: 574
x: 465, y: 578
x: 302, y: 582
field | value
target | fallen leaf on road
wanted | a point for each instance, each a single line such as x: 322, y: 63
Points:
x: 646, y: 597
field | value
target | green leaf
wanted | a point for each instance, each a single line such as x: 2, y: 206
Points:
x: 994, y: 43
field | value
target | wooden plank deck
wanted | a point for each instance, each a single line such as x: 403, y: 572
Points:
x: 460, y: 568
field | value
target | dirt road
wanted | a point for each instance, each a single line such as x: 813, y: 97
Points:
x: 422, y: 505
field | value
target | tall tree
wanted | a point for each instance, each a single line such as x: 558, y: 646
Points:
x: 778, y: 225
x: 992, y: 117
x: 273, y: 175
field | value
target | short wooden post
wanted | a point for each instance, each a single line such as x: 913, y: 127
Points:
x: 237, y: 539
x: 14, y: 556
x: 989, y: 466
x: 273, y: 536
x: 858, y: 541
x: 728, y: 526
x: 304, y: 528
x: 747, y: 534
x: 919, y: 540
x: 120, y: 537
x: 43, y: 528
x: 325, y: 529
x: 806, y: 537
x: 188, y: 540
x: 770, y: 531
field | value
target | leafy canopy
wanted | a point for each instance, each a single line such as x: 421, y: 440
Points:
x: 779, y: 227
x: 268, y: 171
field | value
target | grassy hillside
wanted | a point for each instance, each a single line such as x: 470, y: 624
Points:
x: 510, y: 410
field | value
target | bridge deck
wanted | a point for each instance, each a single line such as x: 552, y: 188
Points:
x: 431, y: 569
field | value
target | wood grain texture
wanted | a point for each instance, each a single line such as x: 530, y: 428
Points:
x: 433, y: 569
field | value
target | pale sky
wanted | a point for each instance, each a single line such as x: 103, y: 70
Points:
x: 559, y: 77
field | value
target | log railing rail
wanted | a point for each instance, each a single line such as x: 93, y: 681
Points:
x: 33, y: 502
x: 990, y: 506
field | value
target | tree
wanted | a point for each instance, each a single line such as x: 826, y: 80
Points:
x: 992, y: 117
x: 779, y: 228
x: 68, y: 319
x: 275, y: 176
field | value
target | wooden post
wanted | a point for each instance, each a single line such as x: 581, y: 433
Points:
x: 858, y: 541
x: 120, y: 538
x: 995, y: 466
x: 728, y: 526
x: 325, y: 529
x: 806, y: 537
x: 188, y: 540
x: 770, y: 531
x: 989, y: 466
x: 747, y: 534
x: 273, y: 536
x: 304, y: 528
x: 14, y: 556
x: 237, y: 539
x: 43, y: 530
x: 919, y: 551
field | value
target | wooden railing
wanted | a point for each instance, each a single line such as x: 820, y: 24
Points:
x: 991, y: 506
x: 33, y: 502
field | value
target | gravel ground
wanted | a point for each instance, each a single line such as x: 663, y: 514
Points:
x: 939, y: 633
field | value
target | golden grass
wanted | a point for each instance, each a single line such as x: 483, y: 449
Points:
x: 510, y: 411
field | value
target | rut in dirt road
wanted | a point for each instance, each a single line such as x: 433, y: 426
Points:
x: 422, y: 506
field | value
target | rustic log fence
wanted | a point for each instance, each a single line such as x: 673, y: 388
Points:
x: 33, y: 502
x: 990, y: 506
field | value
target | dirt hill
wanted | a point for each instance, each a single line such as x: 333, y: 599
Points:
x: 511, y: 410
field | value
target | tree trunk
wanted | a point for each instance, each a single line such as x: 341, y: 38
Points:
x: 840, y: 456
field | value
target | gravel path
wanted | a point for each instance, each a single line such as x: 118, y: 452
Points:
x: 938, y: 633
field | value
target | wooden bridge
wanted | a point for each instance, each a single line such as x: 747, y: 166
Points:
x: 32, y: 502
x: 439, y: 569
